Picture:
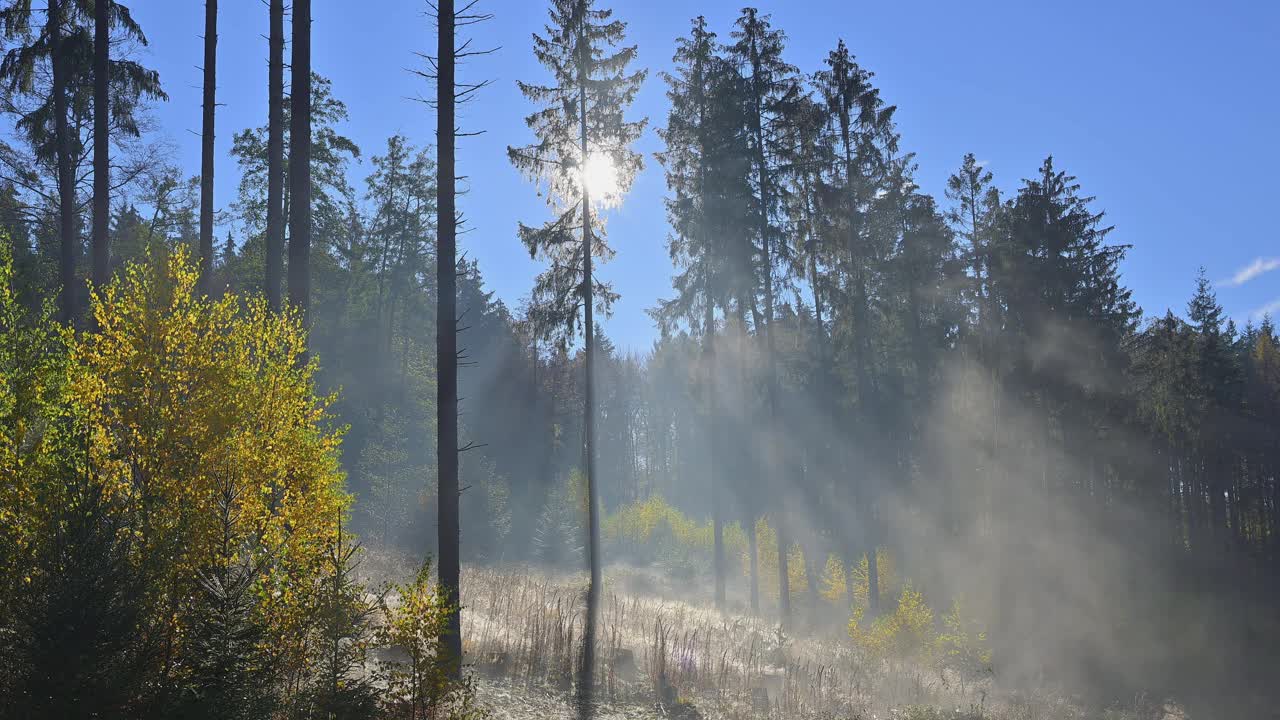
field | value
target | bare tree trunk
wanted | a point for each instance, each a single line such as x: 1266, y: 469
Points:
x: 66, y: 173
x: 275, y: 159
x: 206, y: 145
x: 717, y: 472
x: 101, y: 139
x: 300, y: 162
x: 873, y: 569
x: 750, y: 499
x: 753, y: 561
x: 784, y: 570
x: 852, y: 560
x: 449, y: 533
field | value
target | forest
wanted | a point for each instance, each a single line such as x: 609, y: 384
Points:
x: 890, y: 455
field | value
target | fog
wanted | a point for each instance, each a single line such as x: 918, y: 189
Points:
x: 1071, y: 536
x: 891, y: 454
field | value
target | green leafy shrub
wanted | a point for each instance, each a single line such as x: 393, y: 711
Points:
x: 420, y: 686
x: 962, y: 645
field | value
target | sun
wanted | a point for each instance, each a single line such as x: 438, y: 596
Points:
x: 600, y: 176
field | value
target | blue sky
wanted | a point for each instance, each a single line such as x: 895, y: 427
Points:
x: 1167, y: 113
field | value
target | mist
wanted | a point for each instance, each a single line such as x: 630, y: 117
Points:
x: 884, y: 450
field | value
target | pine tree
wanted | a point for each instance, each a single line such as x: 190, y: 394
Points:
x: 343, y: 691
x: 1219, y: 376
x: 229, y: 672
x: 51, y: 120
x: 1068, y: 321
x: 76, y: 648
x: 975, y: 220
x: 969, y: 187
x: 692, y: 140
x: 771, y: 90
x: 332, y: 193
x: 860, y: 121
x: 925, y: 281
x: 583, y: 138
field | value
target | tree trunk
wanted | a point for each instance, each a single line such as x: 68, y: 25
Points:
x: 70, y: 242
x: 206, y: 145
x: 784, y: 570
x: 852, y: 561
x: 449, y: 534
x: 275, y: 159
x: 717, y: 520
x: 586, y: 680
x: 745, y: 473
x: 815, y: 559
x: 300, y: 163
x: 753, y: 561
x: 873, y: 572
x: 101, y: 139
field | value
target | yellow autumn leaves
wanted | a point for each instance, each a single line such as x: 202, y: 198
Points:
x: 654, y: 521
x: 199, y: 419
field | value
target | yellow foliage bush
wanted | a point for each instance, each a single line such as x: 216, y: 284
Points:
x: 420, y: 686
x: 890, y: 580
x: 905, y: 634
x: 962, y: 646
x: 654, y: 520
x: 834, y: 584
x: 767, y: 549
x: 835, y: 579
x: 185, y: 399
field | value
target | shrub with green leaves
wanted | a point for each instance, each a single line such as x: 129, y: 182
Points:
x: 962, y: 645
x: 420, y: 685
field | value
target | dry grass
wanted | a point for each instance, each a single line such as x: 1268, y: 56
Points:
x: 524, y: 627
x: 662, y: 655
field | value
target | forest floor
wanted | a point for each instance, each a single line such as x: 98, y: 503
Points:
x: 665, y: 652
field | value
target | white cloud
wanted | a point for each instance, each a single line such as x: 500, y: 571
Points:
x: 1272, y: 308
x: 1258, y: 267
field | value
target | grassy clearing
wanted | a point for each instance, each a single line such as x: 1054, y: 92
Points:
x: 663, y: 656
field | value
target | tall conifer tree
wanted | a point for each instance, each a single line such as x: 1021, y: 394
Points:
x: 449, y: 94
x: 583, y: 159
x: 858, y: 119
x: 694, y: 140
x: 770, y: 91
x: 63, y: 47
